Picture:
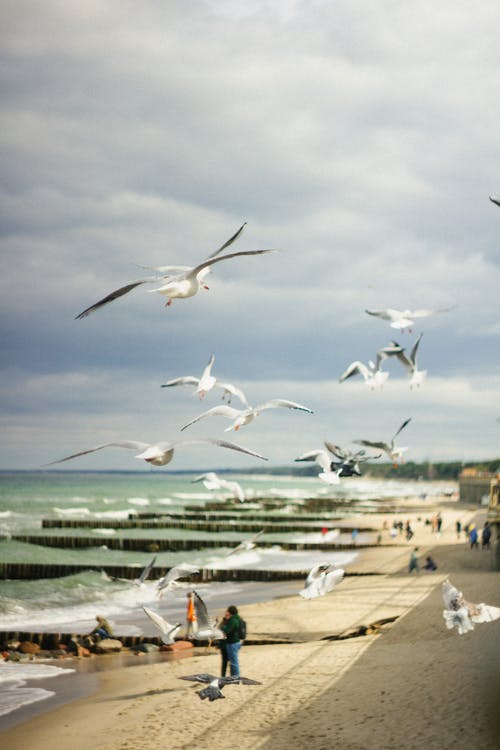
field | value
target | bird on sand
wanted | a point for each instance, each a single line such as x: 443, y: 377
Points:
x: 207, y: 629
x: 158, y: 454
x: 169, y: 580
x: 321, y: 580
x: 215, y: 684
x: 462, y: 614
x: 247, y: 544
x: 213, y: 482
x: 180, y: 285
x: 403, y: 319
x: 394, y: 452
x: 167, y: 630
x: 372, y: 373
x: 241, y: 417
x: 207, y: 382
x: 409, y: 362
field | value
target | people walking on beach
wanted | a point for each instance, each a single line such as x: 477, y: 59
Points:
x: 190, y: 616
x: 408, y: 531
x: 414, y: 565
x: 486, y: 536
x: 458, y: 526
x: 439, y: 523
x: 430, y: 565
x: 473, y: 537
x: 230, y: 646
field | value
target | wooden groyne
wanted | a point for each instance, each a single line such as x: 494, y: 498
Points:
x: 134, y: 544
x: 37, y: 571
x: 195, y: 525
x: 235, y: 514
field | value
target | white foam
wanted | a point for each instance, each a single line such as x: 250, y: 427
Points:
x: 14, y: 677
x: 138, y: 501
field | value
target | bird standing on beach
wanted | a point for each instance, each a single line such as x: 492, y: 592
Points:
x: 167, y: 630
x: 394, y: 453
x: 158, y: 454
x: 213, y: 482
x: 321, y: 580
x: 215, y: 684
x: 241, y: 417
x: 207, y: 382
x: 462, y: 614
x: 403, y: 319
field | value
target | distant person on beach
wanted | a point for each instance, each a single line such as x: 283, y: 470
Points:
x: 354, y: 535
x: 430, y: 565
x: 486, y: 536
x: 413, y: 565
x: 473, y: 537
x: 103, y: 629
x: 458, y: 527
x: 230, y: 646
x: 190, y: 616
x: 408, y: 531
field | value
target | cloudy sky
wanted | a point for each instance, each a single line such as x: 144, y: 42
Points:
x: 359, y: 140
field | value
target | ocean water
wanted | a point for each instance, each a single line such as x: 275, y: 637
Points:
x: 70, y: 603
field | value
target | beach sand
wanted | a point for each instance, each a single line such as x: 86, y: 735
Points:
x: 409, y: 683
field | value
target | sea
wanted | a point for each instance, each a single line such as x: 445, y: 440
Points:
x: 71, y: 603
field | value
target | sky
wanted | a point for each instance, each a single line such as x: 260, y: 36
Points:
x: 357, y: 140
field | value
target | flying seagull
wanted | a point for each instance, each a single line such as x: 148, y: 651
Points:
x: 462, y: 614
x: 242, y: 417
x: 175, y: 286
x: 169, y: 580
x: 136, y: 581
x: 321, y: 580
x: 403, y: 319
x: 247, y: 544
x: 207, y: 629
x: 343, y: 464
x: 410, y: 364
x: 324, y: 461
x: 494, y: 199
x: 393, y: 452
x: 167, y: 630
x: 207, y: 382
x: 213, y: 482
x: 215, y: 684
x: 372, y: 373
x: 158, y: 454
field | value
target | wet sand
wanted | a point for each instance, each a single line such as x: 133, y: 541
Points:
x: 410, y: 683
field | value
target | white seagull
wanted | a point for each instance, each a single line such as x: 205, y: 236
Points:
x: 213, y: 482
x: 417, y: 376
x: 169, y: 580
x: 403, y: 319
x: 207, y: 629
x: 158, y: 454
x: 393, y: 452
x: 242, y: 417
x: 324, y: 461
x: 372, y: 373
x: 215, y: 684
x: 207, y: 382
x: 136, y: 581
x: 462, y: 614
x: 178, y: 286
x: 321, y: 580
x: 344, y: 464
x: 247, y: 544
x: 167, y: 630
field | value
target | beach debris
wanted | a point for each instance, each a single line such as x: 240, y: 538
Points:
x: 462, y: 614
x: 247, y: 544
x: 241, y: 417
x: 215, y: 684
x: 158, y: 454
x: 169, y: 580
x: 213, y: 482
x: 167, y: 630
x: 207, y: 382
x: 321, y: 580
x: 403, y: 319
x: 393, y: 452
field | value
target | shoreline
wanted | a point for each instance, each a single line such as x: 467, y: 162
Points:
x: 151, y: 691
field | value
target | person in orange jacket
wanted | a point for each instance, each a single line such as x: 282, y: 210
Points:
x: 190, y: 616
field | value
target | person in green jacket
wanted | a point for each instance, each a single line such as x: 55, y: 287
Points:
x: 230, y: 646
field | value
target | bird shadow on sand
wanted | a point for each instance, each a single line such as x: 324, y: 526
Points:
x: 144, y: 694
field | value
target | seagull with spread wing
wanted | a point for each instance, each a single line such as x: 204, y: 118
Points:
x: 158, y: 454
x: 462, y: 614
x: 215, y: 684
x: 167, y: 630
x: 321, y: 580
x: 394, y: 452
x: 207, y: 629
x: 213, y: 482
x: 372, y: 373
x: 207, y: 382
x: 346, y: 465
x: 169, y: 580
x: 247, y: 544
x: 409, y: 362
x: 241, y: 417
x: 403, y: 319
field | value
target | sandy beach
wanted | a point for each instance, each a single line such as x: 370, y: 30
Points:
x: 406, y: 682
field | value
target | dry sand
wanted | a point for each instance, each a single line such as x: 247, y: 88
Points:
x: 409, y: 684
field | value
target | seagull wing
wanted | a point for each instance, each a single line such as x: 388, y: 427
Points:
x: 201, y: 677
x: 320, y: 456
x: 222, y: 444
x: 337, y: 451
x: 238, y: 681
x: 356, y: 368
x: 111, y: 297
x: 374, y: 444
x: 229, y: 241
x: 413, y: 353
x: 186, y: 380
x: 201, y: 612
x: 493, y: 199
x: 166, y: 628
x: 282, y: 402
x: 216, y: 411
x: 384, y: 314
x: 132, y: 444
x: 211, y: 261
x: 234, y: 391
x: 147, y: 570
x: 400, y: 429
